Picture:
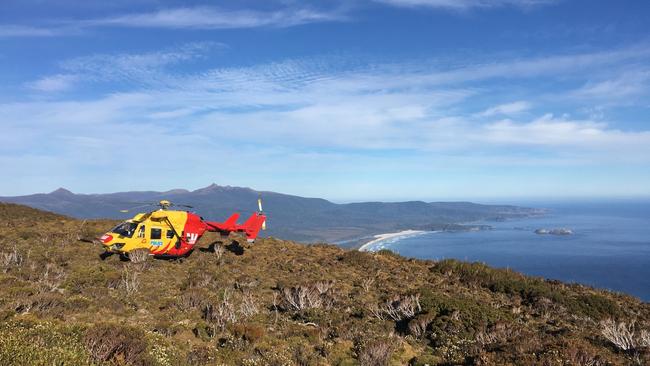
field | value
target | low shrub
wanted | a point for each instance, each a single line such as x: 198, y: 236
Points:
x: 249, y: 332
x: 376, y: 353
x: 356, y: 258
x: 592, y: 305
x: 41, y: 343
x: 529, y: 289
x: 388, y: 253
x: 115, y: 343
x: 201, y: 355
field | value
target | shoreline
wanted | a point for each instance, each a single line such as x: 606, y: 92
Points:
x: 387, y: 236
x: 476, y: 225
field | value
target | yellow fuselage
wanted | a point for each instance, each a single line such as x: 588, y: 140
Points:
x: 158, y: 231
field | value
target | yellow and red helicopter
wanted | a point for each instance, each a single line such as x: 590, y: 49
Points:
x: 173, y: 233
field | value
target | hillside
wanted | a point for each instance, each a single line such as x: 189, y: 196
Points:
x: 278, y: 302
x: 290, y: 217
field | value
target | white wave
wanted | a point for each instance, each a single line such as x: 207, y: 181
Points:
x: 381, y: 241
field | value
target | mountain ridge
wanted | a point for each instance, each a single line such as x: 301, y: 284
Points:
x: 292, y: 217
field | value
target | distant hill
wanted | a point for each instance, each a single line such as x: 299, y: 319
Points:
x: 290, y: 217
x: 277, y: 302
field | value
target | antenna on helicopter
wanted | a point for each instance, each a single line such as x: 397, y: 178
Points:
x: 261, y: 211
x: 165, y: 204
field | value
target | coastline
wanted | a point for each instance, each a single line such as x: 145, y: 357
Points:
x: 469, y: 226
x: 387, y: 236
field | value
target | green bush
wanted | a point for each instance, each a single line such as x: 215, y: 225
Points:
x: 388, y: 253
x: 593, y: 305
x: 356, y: 258
x: 469, y: 314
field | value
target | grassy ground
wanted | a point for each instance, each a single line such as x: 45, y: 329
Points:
x: 282, y: 303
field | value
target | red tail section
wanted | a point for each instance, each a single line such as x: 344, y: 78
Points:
x: 232, y: 220
x: 251, y: 227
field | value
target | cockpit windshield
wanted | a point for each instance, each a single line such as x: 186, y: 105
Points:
x: 125, y: 229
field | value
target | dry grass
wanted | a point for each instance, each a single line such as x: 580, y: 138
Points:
x: 376, y: 353
x: 130, y: 281
x: 139, y: 255
x: 11, y: 259
x: 398, y: 308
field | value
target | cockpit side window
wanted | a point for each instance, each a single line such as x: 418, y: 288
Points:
x: 170, y: 234
x: 125, y: 229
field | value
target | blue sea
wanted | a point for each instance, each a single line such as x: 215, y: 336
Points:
x: 610, y: 247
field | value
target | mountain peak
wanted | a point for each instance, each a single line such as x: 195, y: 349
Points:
x: 217, y: 188
x: 61, y: 191
x: 210, y: 188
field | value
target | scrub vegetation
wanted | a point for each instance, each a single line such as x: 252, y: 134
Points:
x: 277, y: 302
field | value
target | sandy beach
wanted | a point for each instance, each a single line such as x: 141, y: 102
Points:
x: 388, y: 236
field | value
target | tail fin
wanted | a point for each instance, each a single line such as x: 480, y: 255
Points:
x: 232, y: 220
x: 253, y: 225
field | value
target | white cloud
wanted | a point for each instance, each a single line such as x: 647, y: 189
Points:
x: 205, y: 17
x: 313, y: 104
x: 54, y: 83
x: 623, y: 86
x: 195, y: 17
x: 7, y: 31
x: 466, y: 4
x: 314, y: 114
x: 145, y: 69
x: 133, y: 64
x: 551, y: 131
x: 507, y: 109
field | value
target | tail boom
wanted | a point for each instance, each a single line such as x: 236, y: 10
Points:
x: 250, y: 228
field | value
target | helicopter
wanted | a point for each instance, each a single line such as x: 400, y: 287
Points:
x: 169, y: 233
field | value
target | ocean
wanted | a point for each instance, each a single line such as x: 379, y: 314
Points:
x: 610, y: 247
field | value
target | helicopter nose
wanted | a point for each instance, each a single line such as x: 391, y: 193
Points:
x: 106, y: 238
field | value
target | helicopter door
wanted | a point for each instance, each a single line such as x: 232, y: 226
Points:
x: 170, y: 235
x: 140, y: 234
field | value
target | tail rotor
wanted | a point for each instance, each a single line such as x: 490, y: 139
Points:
x: 260, y: 212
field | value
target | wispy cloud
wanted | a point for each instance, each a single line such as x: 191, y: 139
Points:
x: 629, y: 84
x: 467, y: 4
x: 310, y: 105
x: 207, y: 17
x: 11, y: 31
x: 191, y: 17
x: 507, y: 109
x: 145, y: 69
x: 549, y: 130
x: 322, y: 115
x: 54, y: 83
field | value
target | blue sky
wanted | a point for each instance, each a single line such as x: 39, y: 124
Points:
x: 346, y: 100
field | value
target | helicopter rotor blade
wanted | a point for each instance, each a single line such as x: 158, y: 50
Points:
x: 134, y: 207
x: 188, y: 206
